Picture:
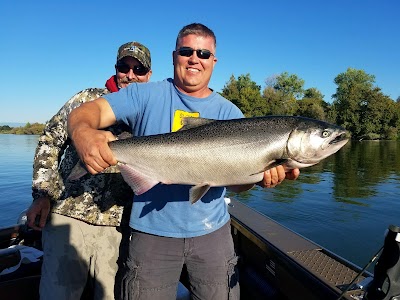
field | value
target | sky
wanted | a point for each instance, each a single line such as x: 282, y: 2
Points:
x: 50, y: 50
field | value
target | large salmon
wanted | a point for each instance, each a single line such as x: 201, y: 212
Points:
x: 222, y: 153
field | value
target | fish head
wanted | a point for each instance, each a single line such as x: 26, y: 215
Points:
x: 314, y: 140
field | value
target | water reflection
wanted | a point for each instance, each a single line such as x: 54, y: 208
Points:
x: 362, y: 166
x: 16, y: 159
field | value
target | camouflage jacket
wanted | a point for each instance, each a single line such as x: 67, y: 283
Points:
x: 97, y: 199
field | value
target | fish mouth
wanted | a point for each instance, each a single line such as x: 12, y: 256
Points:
x: 341, y: 137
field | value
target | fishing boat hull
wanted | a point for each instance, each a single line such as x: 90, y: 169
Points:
x: 277, y: 263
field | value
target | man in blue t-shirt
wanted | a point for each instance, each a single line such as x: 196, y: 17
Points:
x: 167, y: 231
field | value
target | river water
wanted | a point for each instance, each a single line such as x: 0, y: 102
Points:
x: 345, y: 203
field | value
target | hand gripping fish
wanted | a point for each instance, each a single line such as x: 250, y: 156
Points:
x: 206, y: 153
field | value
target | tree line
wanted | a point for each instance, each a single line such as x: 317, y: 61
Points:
x: 35, y: 128
x: 358, y: 104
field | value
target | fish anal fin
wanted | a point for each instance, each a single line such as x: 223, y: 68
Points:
x: 197, y: 192
x: 139, y: 182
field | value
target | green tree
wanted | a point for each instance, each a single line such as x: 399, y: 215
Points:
x: 273, y: 101
x: 35, y: 128
x: 245, y: 93
x: 362, y: 108
x: 313, y: 93
x: 281, y: 93
x: 290, y: 85
x: 312, y: 105
x: 378, y: 116
x: 5, y: 129
x: 352, y: 89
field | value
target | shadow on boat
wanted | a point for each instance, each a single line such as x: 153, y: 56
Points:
x: 21, y: 249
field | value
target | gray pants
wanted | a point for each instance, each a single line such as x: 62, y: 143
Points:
x: 154, y: 266
x: 74, y: 250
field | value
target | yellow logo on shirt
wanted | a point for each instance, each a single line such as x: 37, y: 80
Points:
x: 177, y: 123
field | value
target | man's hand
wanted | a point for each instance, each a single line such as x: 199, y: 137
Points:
x: 92, y: 147
x: 91, y: 143
x: 272, y: 178
x: 40, y: 208
x: 275, y: 176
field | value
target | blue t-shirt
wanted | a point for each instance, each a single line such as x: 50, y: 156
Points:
x: 158, y: 107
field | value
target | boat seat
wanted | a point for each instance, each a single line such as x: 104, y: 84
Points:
x: 9, y: 257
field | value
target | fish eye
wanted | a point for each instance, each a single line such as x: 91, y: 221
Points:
x: 325, y: 133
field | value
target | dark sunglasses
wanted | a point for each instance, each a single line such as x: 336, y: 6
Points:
x: 188, y: 52
x: 138, y: 70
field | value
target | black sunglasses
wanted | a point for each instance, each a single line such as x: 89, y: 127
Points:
x: 138, y: 70
x: 188, y: 52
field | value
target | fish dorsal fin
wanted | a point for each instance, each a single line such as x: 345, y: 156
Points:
x: 139, y: 182
x: 192, y: 122
x: 197, y: 192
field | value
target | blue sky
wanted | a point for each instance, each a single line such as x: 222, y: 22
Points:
x: 50, y: 50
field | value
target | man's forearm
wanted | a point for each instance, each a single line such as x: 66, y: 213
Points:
x: 96, y: 114
x: 85, y: 116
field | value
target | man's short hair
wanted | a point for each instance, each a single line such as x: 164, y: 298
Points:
x: 197, y: 29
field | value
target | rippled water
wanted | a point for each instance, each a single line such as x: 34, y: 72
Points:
x: 16, y: 158
x: 345, y: 203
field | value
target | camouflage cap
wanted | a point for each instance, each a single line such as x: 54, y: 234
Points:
x: 136, y: 50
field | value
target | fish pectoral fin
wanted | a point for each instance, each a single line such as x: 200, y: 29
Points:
x: 270, y: 165
x: 139, y: 182
x: 275, y: 163
x: 197, y: 192
x: 77, y: 171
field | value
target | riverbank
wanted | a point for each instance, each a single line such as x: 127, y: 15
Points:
x: 31, y: 129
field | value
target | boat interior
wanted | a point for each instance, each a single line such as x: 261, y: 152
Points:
x: 274, y: 263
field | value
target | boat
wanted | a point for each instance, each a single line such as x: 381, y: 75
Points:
x: 274, y: 263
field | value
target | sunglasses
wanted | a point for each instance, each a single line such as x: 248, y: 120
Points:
x: 188, y: 52
x: 137, y: 70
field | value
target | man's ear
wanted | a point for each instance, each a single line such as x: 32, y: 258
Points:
x: 173, y: 58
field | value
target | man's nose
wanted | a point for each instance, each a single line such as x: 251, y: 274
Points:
x: 130, y: 75
x: 194, y: 58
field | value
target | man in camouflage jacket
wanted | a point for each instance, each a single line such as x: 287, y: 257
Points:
x: 82, y: 235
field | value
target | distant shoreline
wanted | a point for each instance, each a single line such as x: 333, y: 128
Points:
x: 28, y: 128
